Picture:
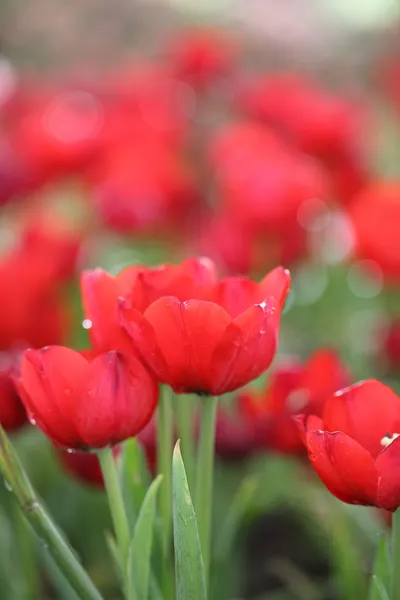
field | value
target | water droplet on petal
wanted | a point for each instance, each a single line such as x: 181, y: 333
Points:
x: 87, y: 324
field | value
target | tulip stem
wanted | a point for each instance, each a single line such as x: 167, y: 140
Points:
x: 395, y: 575
x: 26, y: 555
x: 184, y: 415
x: 116, y: 503
x: 43, y: 526
x: 205, y: 475
x: 164, y: 465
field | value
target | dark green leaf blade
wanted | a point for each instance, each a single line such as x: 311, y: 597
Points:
x: 139, y: 561
x: 189, y: 569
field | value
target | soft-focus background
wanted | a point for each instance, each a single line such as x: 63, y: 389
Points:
x: 252, y: 131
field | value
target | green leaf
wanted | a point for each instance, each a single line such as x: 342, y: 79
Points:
x: 233, y: 519
x: 189, y: 568
x: 134, y: 477
x: 139, y: 560
x: 113, y: 550
x: 378, y: 589
x: 381, y: 574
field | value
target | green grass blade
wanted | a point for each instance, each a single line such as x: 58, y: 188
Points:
x: 189, y: 568
x: 139, y: 562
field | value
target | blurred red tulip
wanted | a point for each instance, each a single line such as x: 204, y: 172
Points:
x: 84, y: 466
x: 391, y: 343
x: 355, y: 447
x: 142, y: 186
x: 375, y: 214
x: 294, y: 388
x: 261, y: 181
x: 12, y: 411
x: 325, y: 125
x: 202, y: 56
x: 82, y: 404
x: 236, y: 438
x: 32, y: 312
x: 44, y: 238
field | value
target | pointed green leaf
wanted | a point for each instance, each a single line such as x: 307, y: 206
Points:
x: 189, y: 568
x: 134, y: 477
x: 380, y: 579
x: 380, y: 592
x: 139, y: 561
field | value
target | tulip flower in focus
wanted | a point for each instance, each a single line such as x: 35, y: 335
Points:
x: 81, y: 403
x: 375, y: 215
x: 293, y: 388
x: 83, y: 466
x: 355, y: 446
x: 193, y: 332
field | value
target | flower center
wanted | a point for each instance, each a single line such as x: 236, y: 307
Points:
x: 389, y: 438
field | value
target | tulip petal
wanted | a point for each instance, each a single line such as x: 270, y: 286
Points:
x: 345, y: 467
x: 51, y: 379
x: 143, y: 339
x: 322, y: 376
x: 366, y: 411
x: 119, y: 400
x: 276, y: 284
x: 388, y: 468
x: 187, y: 334
x: 256, y: 350
x: 236, y: 294
x: 100, y: 292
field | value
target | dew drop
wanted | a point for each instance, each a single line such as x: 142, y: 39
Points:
x: 70, y: 451
x: 87, y: 324
x: 32, y: 421
x: 7, y: 486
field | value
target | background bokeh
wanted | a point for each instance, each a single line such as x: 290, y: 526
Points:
x: 75, y: 73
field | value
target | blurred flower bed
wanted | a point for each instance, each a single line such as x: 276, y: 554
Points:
x: 196, y: 153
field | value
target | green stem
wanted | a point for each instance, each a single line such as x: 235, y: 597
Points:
x: 184, y: 416
x: 395, y: 576
x: 205, y: 475
x: 26, y: 556
x: 164, y: 466
x: 41, y: 523
x: 116, y: 503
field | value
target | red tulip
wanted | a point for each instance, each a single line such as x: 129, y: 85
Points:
x: 235, y: 438
x: 32, y: 312
x: 320, y: 123
x: 142, y: 185
x: 201, y: 56
x: 375, y: 214
x: 355, y: 447
x: 262, y: 181
x: 294, y: 388
x: 141, y: 286
x: 82, y: 404
x: 210, y: 347
x: 391, y: 343
x: 84, y: 466
x: 47, y: 239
